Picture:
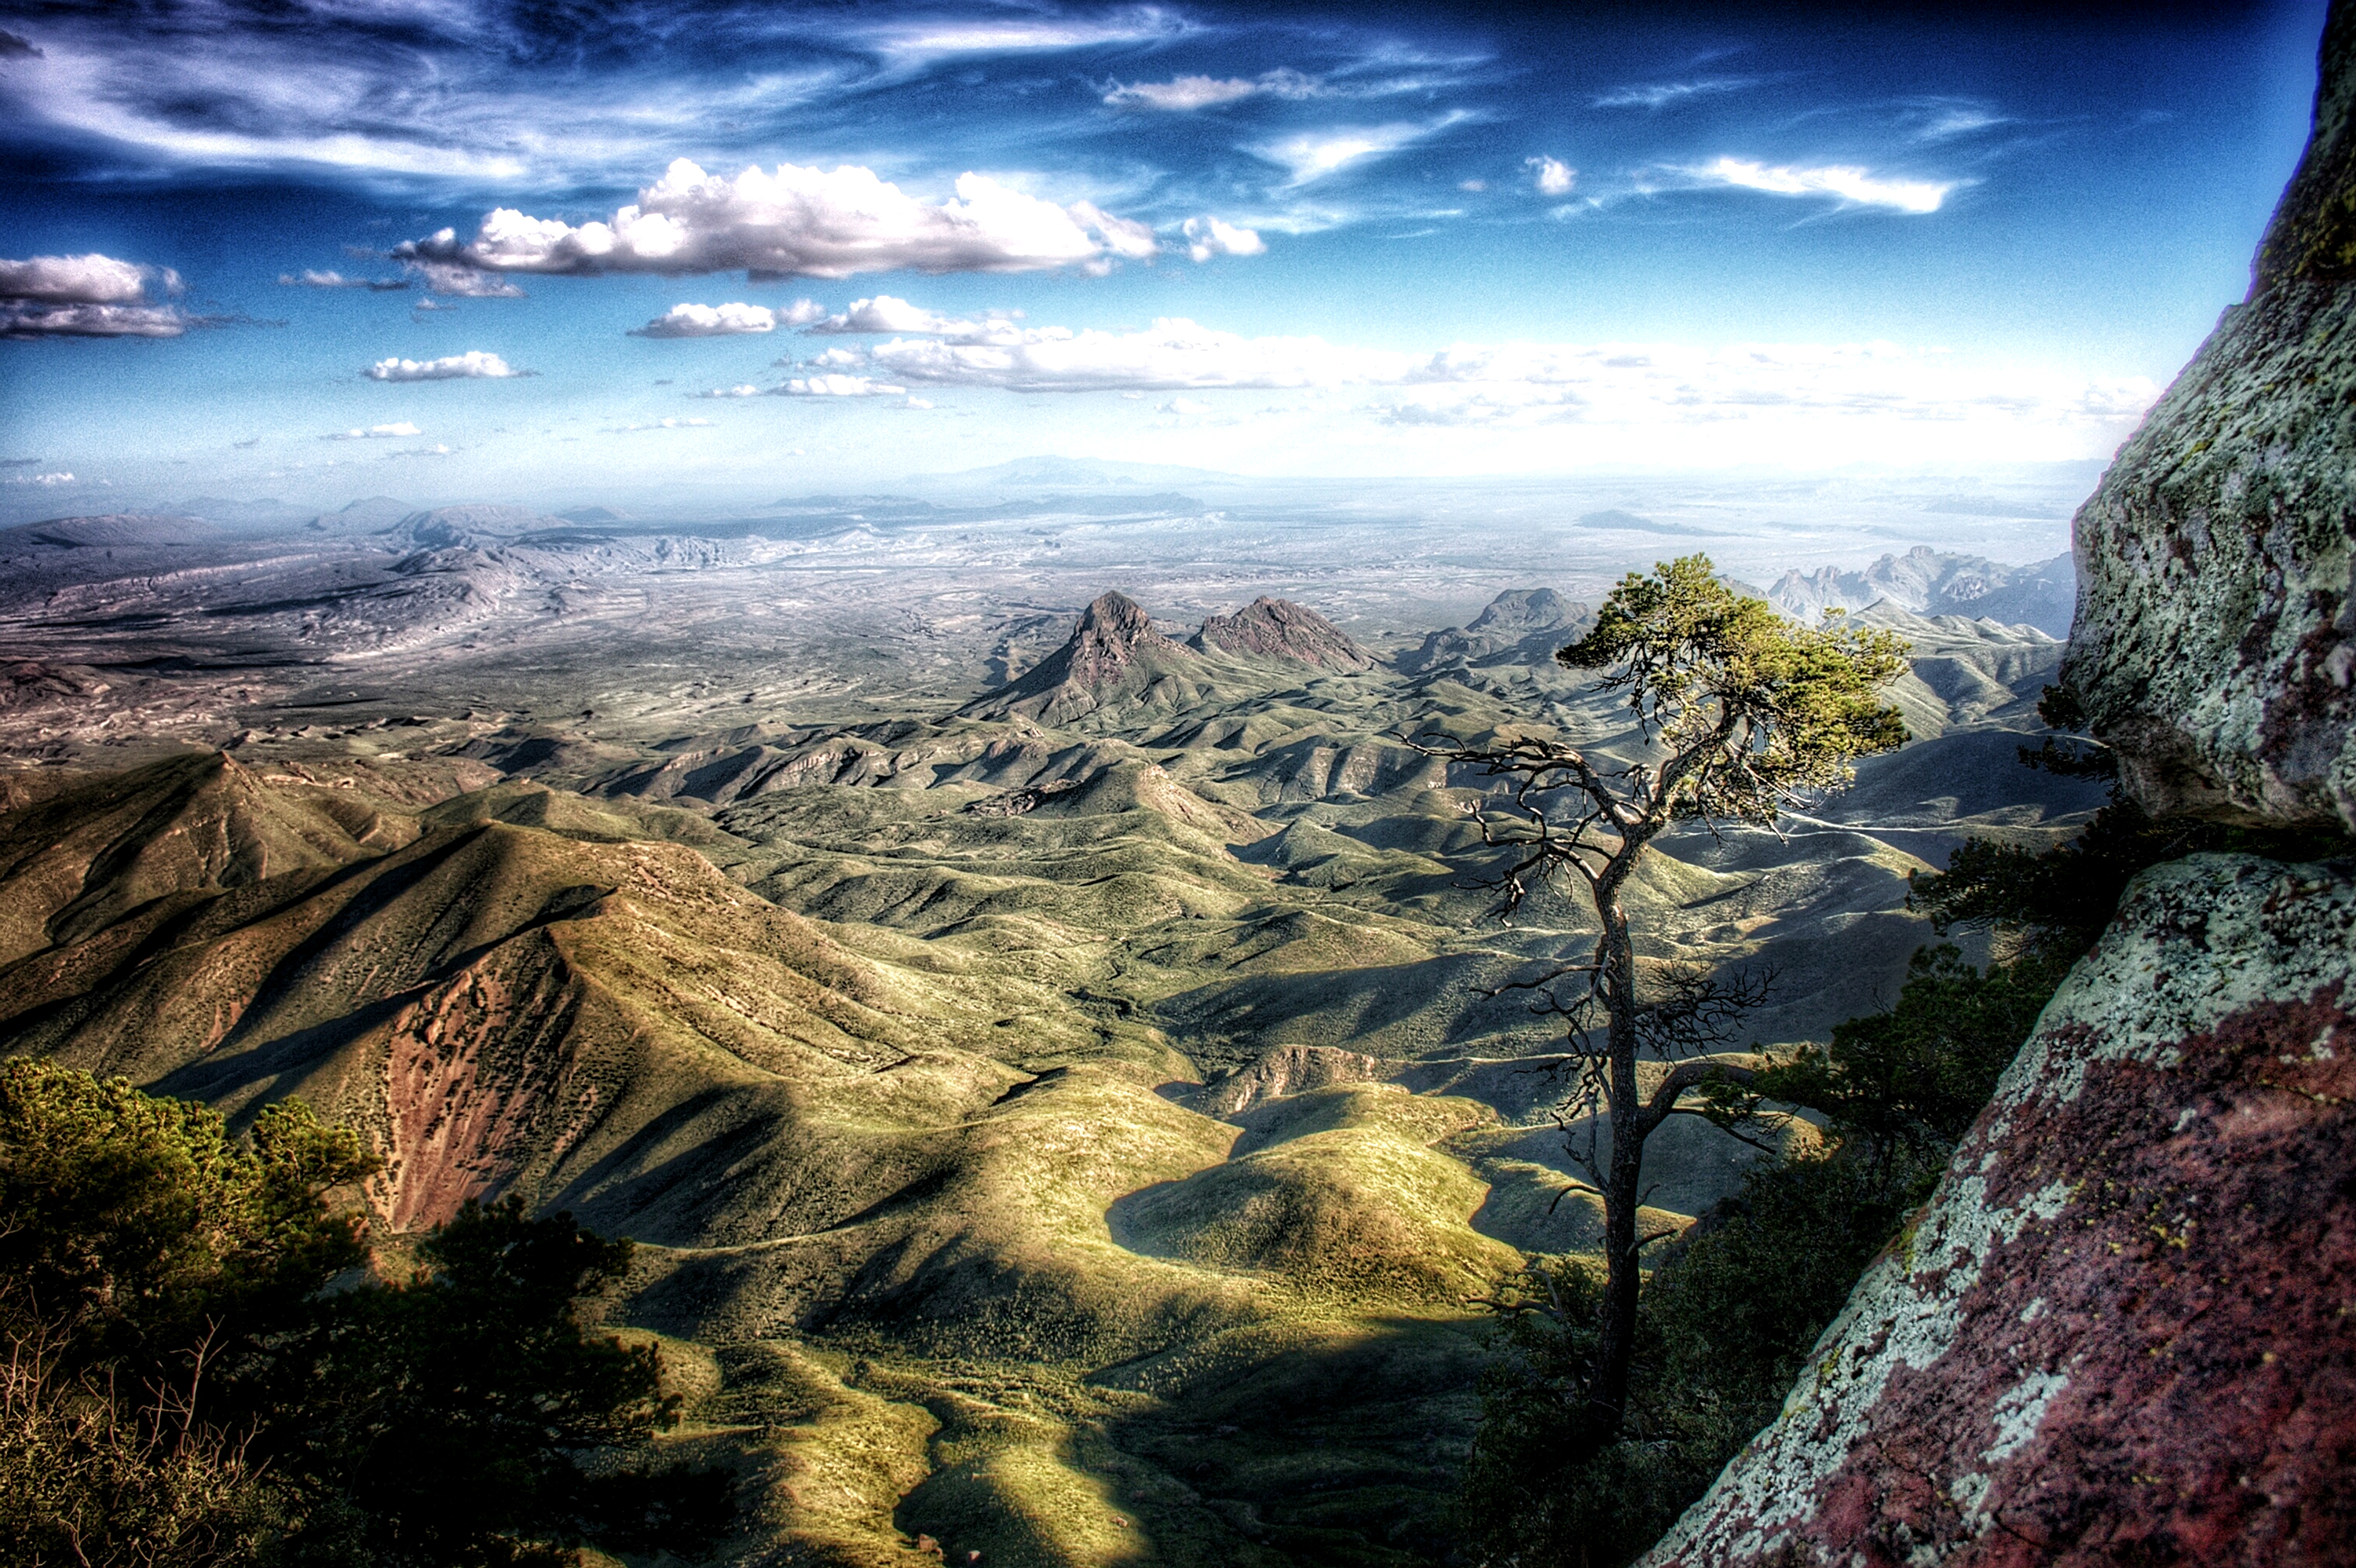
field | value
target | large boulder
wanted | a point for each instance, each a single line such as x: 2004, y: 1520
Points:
x: 2215, y: 639
x: 2121, y: 1331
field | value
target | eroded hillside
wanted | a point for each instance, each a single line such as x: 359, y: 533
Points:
x: 1076, y: 1123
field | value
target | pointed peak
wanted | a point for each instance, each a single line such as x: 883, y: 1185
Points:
x: 1113, y: 610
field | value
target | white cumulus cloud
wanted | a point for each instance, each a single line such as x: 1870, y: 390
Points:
x: 374, y: 432
x: 475, y: 363
x: 92, y: 278
x: 86, y: 296
x: 709, y: 321
x: 462, y: 282
x: 1209, y: 237
x: 667, y: 423
x: 46, y: 480
x: 887, y: 312
x: 1847, y: 183
x: 743, y: 389
x: 794, y: 221
x: 834, y: 385
x: 1553, y: 176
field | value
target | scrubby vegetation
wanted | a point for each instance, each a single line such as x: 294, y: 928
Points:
x: 198, y: 1366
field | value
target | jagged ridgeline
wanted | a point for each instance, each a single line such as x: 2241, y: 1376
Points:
x: 1077, y: 1124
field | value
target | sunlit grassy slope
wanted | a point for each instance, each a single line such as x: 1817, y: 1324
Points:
x: 1079, y: 1146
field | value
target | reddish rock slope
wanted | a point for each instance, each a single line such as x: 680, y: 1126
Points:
x: 2121, y: 1331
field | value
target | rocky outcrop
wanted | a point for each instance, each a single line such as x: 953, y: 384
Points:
x: 1113, y: 653
x: 2215, y: 640
x: 1287, y: 1069
x: 1280, y: 629
x: 2119, y: 1332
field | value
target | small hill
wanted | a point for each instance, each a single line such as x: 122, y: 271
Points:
x: 1278, y: 629
x: 1113, y: 653
x: 370, y: 514
x: 472, y: 527
x: 1521, y: 626
x: 111, y: 530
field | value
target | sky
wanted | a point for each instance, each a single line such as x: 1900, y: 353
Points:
x: 717, y: 249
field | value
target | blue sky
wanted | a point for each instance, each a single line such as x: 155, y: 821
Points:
x: 1353, y: 241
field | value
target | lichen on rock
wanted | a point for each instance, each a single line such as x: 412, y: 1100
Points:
x: 2215, y: 639
x: 2120, y: 1330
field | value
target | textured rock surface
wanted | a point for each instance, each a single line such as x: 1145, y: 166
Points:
x: 1113, y: 652
x: 1280, y: 629
x: 2215, y: 640
x: 2121, y: 1331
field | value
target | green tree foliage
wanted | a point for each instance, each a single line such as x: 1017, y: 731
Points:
x: 1909, y: 1081
x: 1743, y: 712
x: 198, y: 1369
x: 460, y: 1403
x: 151, y: 1269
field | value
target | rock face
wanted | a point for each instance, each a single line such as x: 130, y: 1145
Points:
x: 1113, y: 652
x: 1280, y: 629
x: 2120, y: 1331
x: 2215, y: 641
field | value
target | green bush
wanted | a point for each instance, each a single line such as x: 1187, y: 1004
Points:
x: 196, y: 1368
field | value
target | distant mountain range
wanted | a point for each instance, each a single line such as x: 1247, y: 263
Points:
x: 1934, y: 582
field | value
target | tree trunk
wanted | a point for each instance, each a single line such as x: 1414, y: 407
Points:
x: 1607, y: 1392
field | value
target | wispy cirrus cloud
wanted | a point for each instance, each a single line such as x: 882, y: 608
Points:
x: 795, y: 221
x: 310, y: 279
x: 1943, y: 121
x: 1185, y: 93
x: 921, y: 42
x: 1312, y: 155
x: 1664, y: 94
x: 1847, y: 184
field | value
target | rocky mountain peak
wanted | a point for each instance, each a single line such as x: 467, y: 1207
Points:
x: 1113, y: 650
x: 1278, y: 629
